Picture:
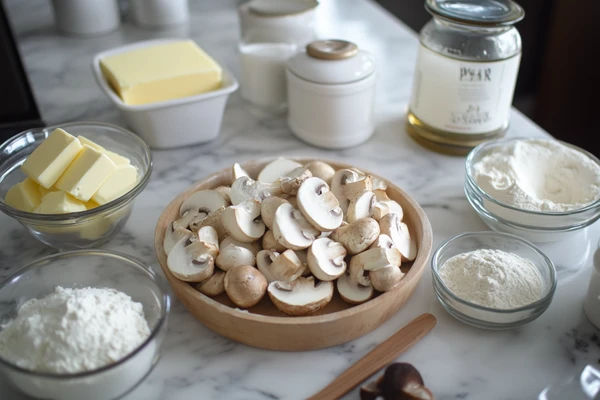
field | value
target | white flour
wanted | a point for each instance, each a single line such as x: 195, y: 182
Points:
x: 74, y: 330
x: 492, y: 278
x: 539, y: 175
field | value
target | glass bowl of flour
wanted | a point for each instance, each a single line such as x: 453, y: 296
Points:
x: 543, y: 190
x: 82, y: 324
x: 493, y: 280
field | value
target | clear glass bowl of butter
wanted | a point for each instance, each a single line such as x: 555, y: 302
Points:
x: 81, y: 229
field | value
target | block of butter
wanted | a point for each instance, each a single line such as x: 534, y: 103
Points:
x: 59, y: 203
x: 120, y: 182
x: 86, y: 173
x: 51, y: 158
x: 116, y: 158
x: 24, y: 196
x: 161, y: 72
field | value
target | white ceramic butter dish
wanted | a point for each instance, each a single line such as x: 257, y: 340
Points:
x: 173, y: 123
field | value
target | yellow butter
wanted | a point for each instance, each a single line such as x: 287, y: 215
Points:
x: 91, y: 204
x: 43, y: 191
x: 86, y: 173
x: 52, y: 157
x: 24, y: 196
x: 116, y: 158
x: 59, y: 203
x: 120, y: 182
x: 162, y: 72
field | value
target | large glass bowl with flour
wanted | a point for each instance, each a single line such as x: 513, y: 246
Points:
x: 546, y: 196
x: 82, y: 269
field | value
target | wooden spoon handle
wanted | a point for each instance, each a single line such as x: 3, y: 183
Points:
x: 378, y: 358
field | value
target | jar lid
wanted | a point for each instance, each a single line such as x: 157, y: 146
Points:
x: 332, y: 62
x: 477, y: 12
x: 278, y: 8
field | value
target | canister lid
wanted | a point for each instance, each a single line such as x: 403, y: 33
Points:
x: 477, y: 12
x: 278, y: 8
x: 332, y: 62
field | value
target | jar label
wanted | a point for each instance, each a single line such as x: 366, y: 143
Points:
x: 462, y: 96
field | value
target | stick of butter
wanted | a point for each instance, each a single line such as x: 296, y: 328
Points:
x: 162, y: 72
x: 86, y: 174
x: 120, y: 182
x: 59, y: 203
x: 116, y: 158
x: 24, y: 196
x: 51, y: 158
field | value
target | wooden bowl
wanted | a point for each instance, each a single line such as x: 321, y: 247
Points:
x: 264, y: 325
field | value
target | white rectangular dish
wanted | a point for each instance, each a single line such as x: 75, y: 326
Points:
x: 173, y: 123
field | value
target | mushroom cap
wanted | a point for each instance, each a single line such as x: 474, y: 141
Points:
x: 245, y: 285
x: 361, y: 206
x: 205, y: 201
x: 321, y: 170
x: 351, y: 189
x: 293, y: 180
x: 188, y: 217
x: 291, y: 229
x: 353, y: 293
x: 384, y: 205
x: 241, y: 221
x: 245, y: 188
x: 387, y: 278
x: 224, y: 192
x: 192, y: 262
x: 383, y: 242
x: 253, y: 246
x: 357, y: 236
x: 174, y: 234
x: 231, y: 256
x: 326, y: 259
x: 319, y: 205
x: 277, y: 169
x: 398, y: 231
x: 268, y: 207
x: 301, y: 296
x: 213, y: 286
x: 270, y: 243
x: 214, y: 219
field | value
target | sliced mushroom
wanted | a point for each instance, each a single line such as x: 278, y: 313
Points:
x: 214, y: 219
x: 231, y: 256
x: 303, y: 256
x: 383, y: 242
x: 301, y: 296
x: 284, y: 267
x: 292, y: 181
x: 384, y: 205
x: 321, y: 170
x: 291, y: 229
x: 174, y: 234
x: 277, y: 169
x: 353, y: 188
x: 357, y: 236
x: 398, y: 231
x: 242, y: 221
x: 268, y: 207
x: 188, y: 217
x: 361, y: 206
x: 269, y: 242
x: 326, y: 259
x: 237, y: 171
x: 357, y: 274
x: 194, y: 261
x: 204, y: 201
x: 339, y: 181
x: 293, y: 200
x: 224, y: 192
x: 245, y: 285
x: 253, y: 247
x: 379, y: 184
x: 213, y: 286
x: 353, y: 293
x: 319, y: 205
x: 387, y: 278
x: 246, y: 188
x: 377, y: 258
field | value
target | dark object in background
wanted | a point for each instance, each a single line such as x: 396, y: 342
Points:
x: 400, y: 381
x: 18, y: 109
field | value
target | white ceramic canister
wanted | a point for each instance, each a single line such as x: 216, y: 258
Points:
x: 331, y: 94
x: 159, y: 13
x: 591, y: 304
x: 86, y: 17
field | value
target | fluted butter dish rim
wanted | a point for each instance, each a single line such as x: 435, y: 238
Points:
x: 229, y: 86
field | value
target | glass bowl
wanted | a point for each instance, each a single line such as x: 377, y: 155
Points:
x: 77, y: 269
x: 535, y: 226
x: 484, y: 317
x: 83, y: 229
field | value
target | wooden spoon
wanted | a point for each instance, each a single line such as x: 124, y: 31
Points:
x: 378, y: 358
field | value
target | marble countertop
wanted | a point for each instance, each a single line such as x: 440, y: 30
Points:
x: 456, y: 361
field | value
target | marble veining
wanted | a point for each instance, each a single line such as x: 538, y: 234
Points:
x: 456, y: 361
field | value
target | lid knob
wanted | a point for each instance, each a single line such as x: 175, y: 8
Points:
x: 331, y: 49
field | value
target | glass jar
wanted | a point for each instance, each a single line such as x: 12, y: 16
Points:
x: 465, y: 75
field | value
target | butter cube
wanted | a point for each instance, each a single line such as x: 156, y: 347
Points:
x: 59, y: 203
x: 116, y: 158
x: 86, y: 174
x: 48, y: 162
x: 119, y: 183
x: 91, y: 204
x: 24, y: 196
x: 43, y: 191
x: 162, y: 72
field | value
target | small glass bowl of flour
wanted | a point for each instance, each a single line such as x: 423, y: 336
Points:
x: 541, y: 189
x: 83, y: 324
x: 493, y: 280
